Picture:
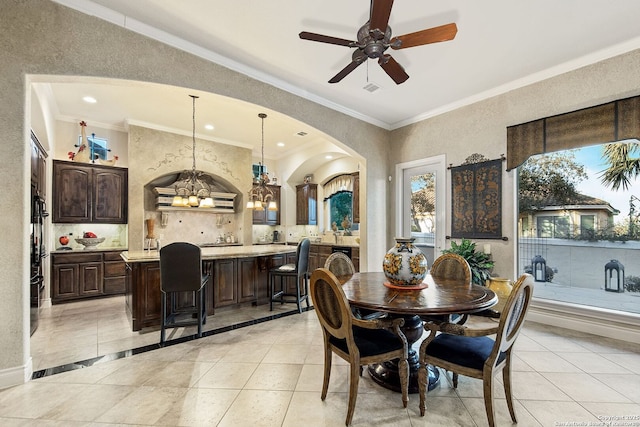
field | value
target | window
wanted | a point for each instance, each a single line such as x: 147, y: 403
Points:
x: 341, y: 209
x: 556, y: 227
x: 98, y: 147
x: 587, y: 226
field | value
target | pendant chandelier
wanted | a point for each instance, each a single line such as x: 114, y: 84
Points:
x: 261, y: 195
x: 192, y: 187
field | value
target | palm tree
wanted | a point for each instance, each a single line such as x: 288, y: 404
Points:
x: 622, y: 167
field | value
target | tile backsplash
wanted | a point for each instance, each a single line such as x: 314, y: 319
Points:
x: 115, y: 234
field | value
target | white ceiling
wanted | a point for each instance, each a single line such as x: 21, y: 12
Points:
x: 500, y: 45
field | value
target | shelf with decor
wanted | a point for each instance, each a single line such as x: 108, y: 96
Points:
x: 224, y: 203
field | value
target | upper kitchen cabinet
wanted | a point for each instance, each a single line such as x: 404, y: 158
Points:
x: 307, y: 204
x: 356, y: 198
x: 265, y: 216
x: 86, y: 193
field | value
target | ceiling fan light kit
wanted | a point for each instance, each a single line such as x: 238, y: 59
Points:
x: 375, y: 37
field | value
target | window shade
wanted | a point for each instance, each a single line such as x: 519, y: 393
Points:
x: 337, y: 184
x: 614, y: 121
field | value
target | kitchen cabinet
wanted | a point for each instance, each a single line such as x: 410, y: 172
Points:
x: 356, y: 198
x: 114, y: 273
x: 143, y: 281
x: 225, y: 290
x: 87, y: 275
x: 318, y: 255
x: 266, y: 217
x: 76, y: 276
x: 307, y: 204
x: 247, y: 279
x: 355, y: 257
x: 233, y: 281
x: 86, y: 193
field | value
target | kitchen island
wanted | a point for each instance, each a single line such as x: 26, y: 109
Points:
x: 238, y: 276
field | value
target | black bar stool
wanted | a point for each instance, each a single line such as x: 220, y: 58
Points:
x: 183, y: 285
x: 299, y: 270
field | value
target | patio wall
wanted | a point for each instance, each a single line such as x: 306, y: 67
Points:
x: 581, y: 263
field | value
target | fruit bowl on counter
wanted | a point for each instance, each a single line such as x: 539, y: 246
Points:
x: 90, y: 242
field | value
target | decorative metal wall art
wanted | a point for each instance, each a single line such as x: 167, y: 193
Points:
x: 476, y: 192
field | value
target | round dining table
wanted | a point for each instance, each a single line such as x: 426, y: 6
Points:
x: 437, y: 300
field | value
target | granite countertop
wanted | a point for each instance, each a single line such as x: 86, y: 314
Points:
x: 210, y: 253
x: 343, y: 245
x: 82, y: 249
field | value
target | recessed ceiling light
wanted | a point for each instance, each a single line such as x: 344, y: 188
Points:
x: 328, y: 157
x: 209, y: 127
x: 89, y: 99
x: 280, y: 144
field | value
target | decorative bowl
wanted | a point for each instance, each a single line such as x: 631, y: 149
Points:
x: 90, y: 242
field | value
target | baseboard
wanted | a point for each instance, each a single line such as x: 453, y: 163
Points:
x: 17, y: 375
x: 593, y: 320
x: 45, y: 303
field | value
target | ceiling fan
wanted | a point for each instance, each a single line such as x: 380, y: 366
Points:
x: 374, y: 38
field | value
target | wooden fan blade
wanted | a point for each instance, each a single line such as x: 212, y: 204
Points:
x: 358, y: 58
x: 380, y: 12
x: 442, y: 33
x: 325, y: 39
x: 393, y: 69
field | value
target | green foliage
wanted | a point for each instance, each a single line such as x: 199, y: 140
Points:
x: 550, y: 178
x: 632, y: 284
x: 480, y: 263
x: 622, y: 167
x: 341, y: 206
x: 423, y: 188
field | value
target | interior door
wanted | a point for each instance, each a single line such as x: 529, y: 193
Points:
x: 421, y: 205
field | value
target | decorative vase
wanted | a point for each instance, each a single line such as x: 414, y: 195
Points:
x: 502, y: 288
x: 405, y: 264
x: 150, y: 226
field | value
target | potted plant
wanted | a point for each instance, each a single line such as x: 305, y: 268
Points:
x: 480, y: 263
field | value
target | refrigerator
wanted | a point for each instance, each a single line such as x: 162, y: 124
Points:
x: 38, y: 253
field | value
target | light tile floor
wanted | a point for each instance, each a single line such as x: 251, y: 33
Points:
x: 270, y: 374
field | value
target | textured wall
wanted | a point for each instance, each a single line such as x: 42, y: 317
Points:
x: 164, y: 153
x: 481, y: 128
x: 43, y: 38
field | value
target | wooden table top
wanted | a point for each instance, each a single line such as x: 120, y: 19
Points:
x: 442, y: 296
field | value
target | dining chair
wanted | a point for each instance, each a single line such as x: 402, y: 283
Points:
x: 299, y: 270
x: 182, y: 286
x: 452, y: 266
x: 359, y: 342
x: 341, y: 265
x: 473, y: 353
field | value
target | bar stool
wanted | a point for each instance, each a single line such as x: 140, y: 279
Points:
x: 182, y: 284
x: 299, y: 270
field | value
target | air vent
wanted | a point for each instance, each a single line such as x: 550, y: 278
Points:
x: 371, y: 87
x: 302, y: 133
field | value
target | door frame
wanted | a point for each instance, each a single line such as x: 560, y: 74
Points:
x: 438, y: 165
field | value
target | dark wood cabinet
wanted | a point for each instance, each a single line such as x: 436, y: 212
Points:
x: 247, y: 279
x: 323, y: 253
x: 233, y: 281
x: 266, y: 217
x: 114, y: 273
x: 307, y: 204
x: 224, y: 282
x: 87, y: 275
x: 355, y: 258
x: 85, y: 193
x: 143, y: 281
x: 356, y: 198
x: 318, y: 255
x: 76, y: 276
